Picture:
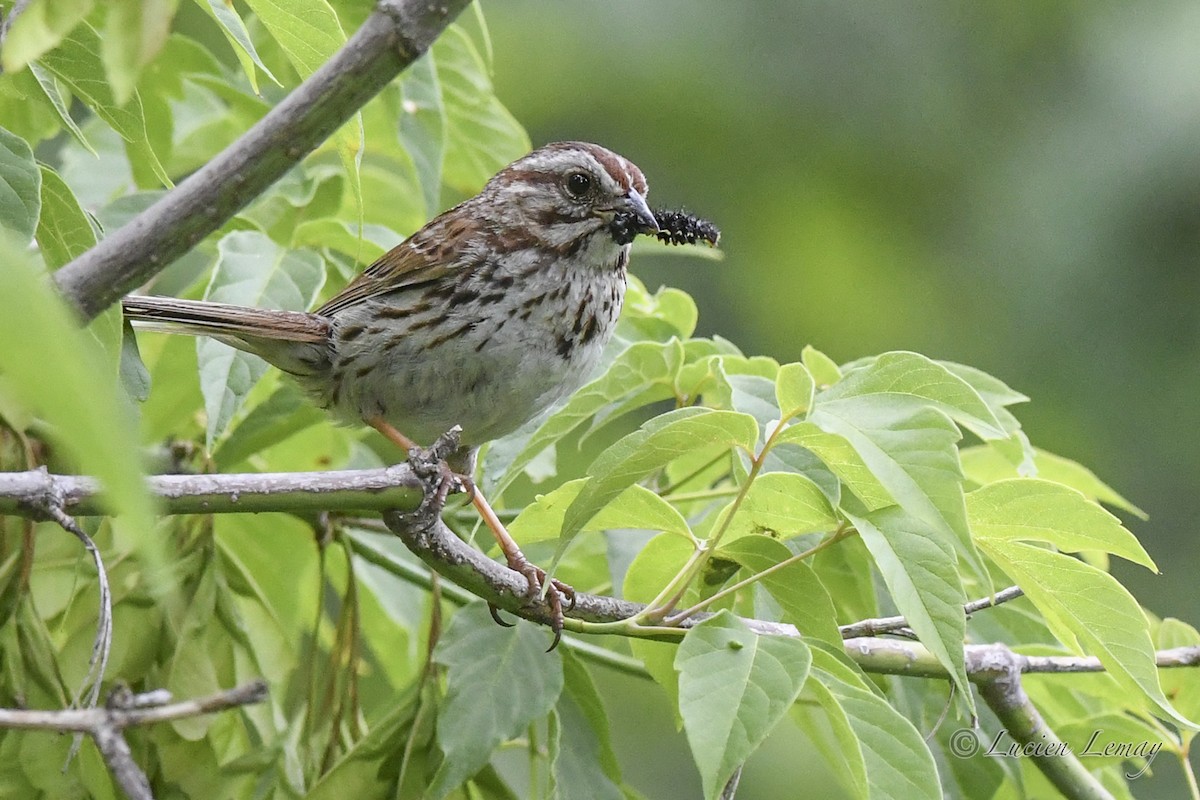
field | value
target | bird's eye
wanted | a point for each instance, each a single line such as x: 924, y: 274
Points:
x: 579, y: 184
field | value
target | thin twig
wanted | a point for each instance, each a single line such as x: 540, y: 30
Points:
x: 875, y: 627
x: 88, y: 693
x: 125, y: 710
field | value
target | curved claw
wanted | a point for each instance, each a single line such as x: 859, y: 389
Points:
x: 555, y: 597
x: 495, y: 612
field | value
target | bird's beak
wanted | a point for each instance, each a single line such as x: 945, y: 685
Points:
x: 644, y: 221
x: 629, y: 217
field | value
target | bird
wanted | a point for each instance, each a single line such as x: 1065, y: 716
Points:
x: 491, y: 313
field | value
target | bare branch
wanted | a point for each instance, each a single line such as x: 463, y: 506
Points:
x: 29, y: 493
x: 394, y: 36
x: 875, y: 627
x: 1003, y: 693
x: 125, y: 710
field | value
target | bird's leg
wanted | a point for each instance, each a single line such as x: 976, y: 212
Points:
x: 557, y: 592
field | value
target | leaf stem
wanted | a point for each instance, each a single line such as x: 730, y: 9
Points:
x: 842, y: 532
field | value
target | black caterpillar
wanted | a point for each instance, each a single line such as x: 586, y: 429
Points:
x: 680, y: 227
x: 674, y: 227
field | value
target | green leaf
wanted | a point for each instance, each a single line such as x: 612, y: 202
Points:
x: 1034, y: 510
x: 921, y: 573
x: 584, y: 766
x: 20, y: 187
x: 794, y: 390
x: 901, y: 380
x: 636, y: 507
x: 64, y: 230
x: 650, y: 447
x: 782, y: 505
x: 307, y: 31
x: 286, y: 412
x: 986, y: 464
x: 53, y: 94
x: 642, y: 374
x: 481, y: 135
x: 842, y: 459
x: 1089, y: 611
x: 134, y: 33
x: 77, y: 64
x: 368, y: 765
x: 78, y: 396
x: 734, y: 687
x: 799, y: 592
x: 38, y: 29
x: 423, y: 127
x: 824, y: 369
x: 235, y: 31
x: 913, y: 454
x: 251, y: 270
x: 475, y: 719
x: 897, y: 763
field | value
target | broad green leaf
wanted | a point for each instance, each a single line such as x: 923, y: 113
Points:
x: 650, y: 571
x: 794, y: 390
x: 53, y: 94
x: 637, y: 507
x: 734, y: 687
x: 782, y: 505
x: 367, y: 765
x: 805, y: 602
x: 985, y: 464
x: 77, y: 64
x: 134, y: 33
x: 1089, y: 611
x: 842, y: 459
x: 921, y: 572
x: 1034, y: 510
x: 584, y: 765
x: 828, y: 727
x: 640, y: 375
x: 824, y: 369
x: 423, y: 127
x: 20, y: 187
x: 901, y: 380
x: 656, y: 317
x: 286, y: 412
x: 481, y: 135
x: 308, y: 31
x: 650, y: 447
x: 1181, y: 685
x: 78, y: 397
x: 39, y: 28
x: 913, y: 454
x: 64, y: 230
x: 475, y: 718
x: 235, y: 31
x: 251, y: 270
x: 897, y: 762
x: 192, y: 671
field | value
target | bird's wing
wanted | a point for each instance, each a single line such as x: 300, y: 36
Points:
x: 428, y: 255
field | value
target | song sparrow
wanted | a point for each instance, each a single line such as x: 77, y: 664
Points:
x: 485, y: 317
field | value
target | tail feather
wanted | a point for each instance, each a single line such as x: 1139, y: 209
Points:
x: 202, y: 318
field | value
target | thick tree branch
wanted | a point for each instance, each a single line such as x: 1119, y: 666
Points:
x: 124, y: 710
x: 394, y: 36
x: 1000, y: 687
x: 30, y: 493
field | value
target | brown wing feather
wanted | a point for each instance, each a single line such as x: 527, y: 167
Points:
x: 428, y: 255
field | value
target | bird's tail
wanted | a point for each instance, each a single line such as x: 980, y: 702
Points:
x: 222, y: 320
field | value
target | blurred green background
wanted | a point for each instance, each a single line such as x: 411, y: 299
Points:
x: 1015, y: 186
